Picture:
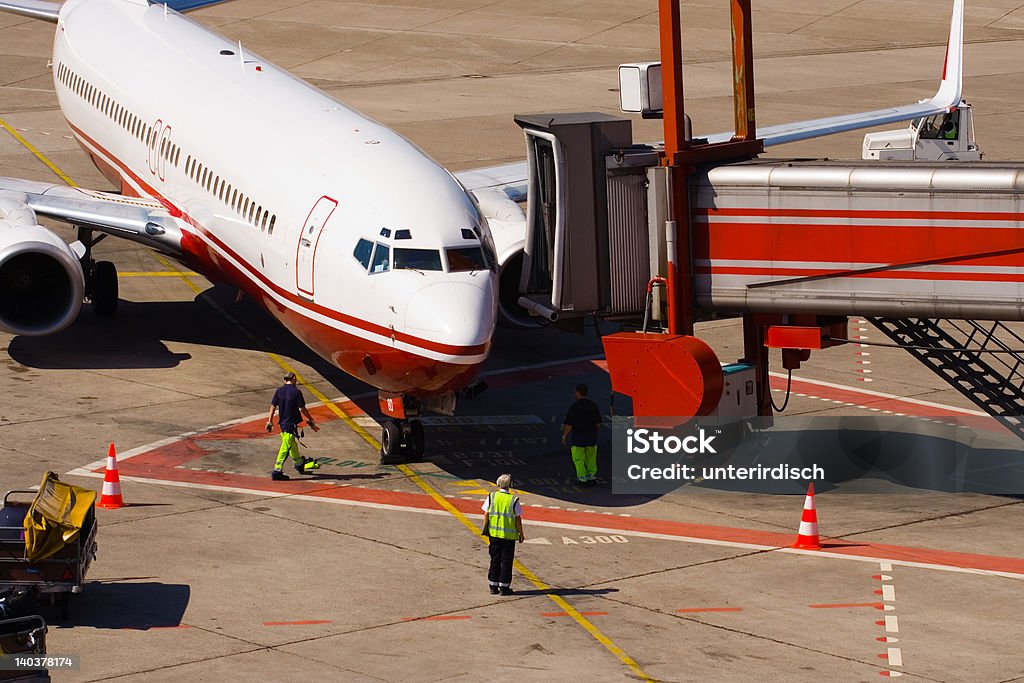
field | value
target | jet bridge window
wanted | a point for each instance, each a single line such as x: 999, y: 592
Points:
x: 417, y: 259
x: 462, y: 259
x: 381, y: 259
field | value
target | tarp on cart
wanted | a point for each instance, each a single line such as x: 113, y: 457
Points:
x: 55, y: 517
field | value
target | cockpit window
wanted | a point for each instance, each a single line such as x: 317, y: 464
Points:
x: 466, y: 258
x: 364, y: 249
x: 381, y: 259
x: 417, y: 259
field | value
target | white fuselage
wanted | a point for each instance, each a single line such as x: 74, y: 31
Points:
x: 274, y: 184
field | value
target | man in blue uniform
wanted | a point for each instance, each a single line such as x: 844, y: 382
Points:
x: 290, y: 405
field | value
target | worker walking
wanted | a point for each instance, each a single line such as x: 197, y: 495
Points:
x: 503, y: 525
x: 290, y: 405
x: 581, y: 425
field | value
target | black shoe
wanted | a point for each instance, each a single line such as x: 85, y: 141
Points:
x: 506, y: 591
x: 278, y: 475
x: 306, y: 466
x: 494, y: 590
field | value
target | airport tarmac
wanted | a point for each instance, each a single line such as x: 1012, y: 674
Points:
x: 370, y: 572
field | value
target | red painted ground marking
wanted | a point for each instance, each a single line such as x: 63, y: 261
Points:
x: 876, y: 577
x: 565, y: 614
x: 309, y: 622
x: 877, y: 591
x: 880, y: 622
x: 160, y: 463
x: 884, y: 655
x: 895, y: 405
x: 876, y: 605
x: 441, y: 617
x: 139, y: 467
x: 689, y: 610
x: 886, y: 672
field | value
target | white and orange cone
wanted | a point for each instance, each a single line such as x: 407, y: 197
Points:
x: 110, y: 496
x: 807, y: 536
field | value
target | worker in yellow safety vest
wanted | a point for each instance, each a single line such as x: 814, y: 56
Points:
x: 948, y: 129
x: 503, y: 525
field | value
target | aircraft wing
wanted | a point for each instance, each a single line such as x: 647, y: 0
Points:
x: 511, y: 178
x: 34, y: 9
x: 141, y: 220
x: 49, y: 11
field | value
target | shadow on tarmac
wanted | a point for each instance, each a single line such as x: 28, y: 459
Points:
x: 138, y: 606
x: 568, y: 592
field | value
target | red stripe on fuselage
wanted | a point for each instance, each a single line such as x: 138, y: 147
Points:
x: 394, y: 370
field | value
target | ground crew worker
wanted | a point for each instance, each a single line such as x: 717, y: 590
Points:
x: 948, y: 127
x: 288, y: 402
x: 581, y: 423
x: 503, y: 524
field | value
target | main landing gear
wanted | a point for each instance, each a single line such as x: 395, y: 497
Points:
x: 100, y: 277
x: 402, y: 438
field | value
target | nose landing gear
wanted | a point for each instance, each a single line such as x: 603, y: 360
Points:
x: 402, y: 441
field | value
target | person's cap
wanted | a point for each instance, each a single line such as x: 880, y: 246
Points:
x: 289, y: 377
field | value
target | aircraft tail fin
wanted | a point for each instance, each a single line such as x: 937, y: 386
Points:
x: 951, y: 87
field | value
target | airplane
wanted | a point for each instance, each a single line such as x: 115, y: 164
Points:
x: 368, y: 251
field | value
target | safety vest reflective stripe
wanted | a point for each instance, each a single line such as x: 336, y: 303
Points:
x: 501, y: 515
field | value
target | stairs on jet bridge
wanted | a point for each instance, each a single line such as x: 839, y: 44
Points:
x: 961, y: 353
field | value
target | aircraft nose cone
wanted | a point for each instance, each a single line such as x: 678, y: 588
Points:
x: 456, y: 313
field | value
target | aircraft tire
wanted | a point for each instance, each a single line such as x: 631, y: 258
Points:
x: 391, y: 442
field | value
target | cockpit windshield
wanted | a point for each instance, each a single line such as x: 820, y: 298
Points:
x: 381, y: 259
x: 465, y: 258
x: 417, y: 259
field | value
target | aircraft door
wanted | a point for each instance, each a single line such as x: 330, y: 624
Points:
x: 309, y: 236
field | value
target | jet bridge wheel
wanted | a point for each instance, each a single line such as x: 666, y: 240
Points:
x: 103, y: 290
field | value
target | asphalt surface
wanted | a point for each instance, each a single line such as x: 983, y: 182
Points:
x: 368, y: 572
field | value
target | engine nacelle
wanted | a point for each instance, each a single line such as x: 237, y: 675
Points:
x: 41, y: 279
x: 508, y: 228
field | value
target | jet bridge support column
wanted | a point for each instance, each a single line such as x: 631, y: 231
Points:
x: 699, y: 377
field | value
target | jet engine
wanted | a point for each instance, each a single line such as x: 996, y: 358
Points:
x: 41, y: 279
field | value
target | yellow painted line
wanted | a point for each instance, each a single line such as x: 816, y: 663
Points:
x: 587, y: 625
x: 39, y: 155
x: 156, y: 273
x: 368, y: 438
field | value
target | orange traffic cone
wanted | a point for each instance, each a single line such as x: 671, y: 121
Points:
x: 807, y: 535
x: 110, y: 497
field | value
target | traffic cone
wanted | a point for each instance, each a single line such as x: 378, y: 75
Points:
x: 807, y: 535
x: 110, y: 497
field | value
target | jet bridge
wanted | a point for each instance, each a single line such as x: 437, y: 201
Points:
x: 926, y: 251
